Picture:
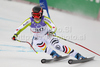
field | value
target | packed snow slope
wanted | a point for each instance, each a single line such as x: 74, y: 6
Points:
x: 77, y: 29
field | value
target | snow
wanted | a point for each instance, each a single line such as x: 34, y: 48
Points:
x: 15, y: 54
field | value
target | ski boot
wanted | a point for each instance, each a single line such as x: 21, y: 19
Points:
x: 54, y: 54
x: 79, y: 56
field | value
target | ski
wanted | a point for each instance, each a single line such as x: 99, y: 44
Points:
x: 71, y: 61
x: 55, y: 59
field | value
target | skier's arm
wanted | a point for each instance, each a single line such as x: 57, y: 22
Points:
x: 50, y: 23
x: 23, y: 26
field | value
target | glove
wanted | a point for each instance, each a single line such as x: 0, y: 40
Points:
x: 14, y: 37
x: 50, y: 33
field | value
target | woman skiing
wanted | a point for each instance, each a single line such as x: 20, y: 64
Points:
x: 43, y: 30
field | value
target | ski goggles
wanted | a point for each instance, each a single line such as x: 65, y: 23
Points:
x: 36, y: 15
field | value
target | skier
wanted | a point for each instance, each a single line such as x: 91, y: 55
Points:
x: 43, y: 30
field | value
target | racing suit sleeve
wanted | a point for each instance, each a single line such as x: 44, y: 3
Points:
x: 23, y: 26
x: 50, y: 23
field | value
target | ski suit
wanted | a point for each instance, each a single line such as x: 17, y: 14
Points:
x: 41, y: 39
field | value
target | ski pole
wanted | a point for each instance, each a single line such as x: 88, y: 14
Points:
x: 77, y: 44
x: 28, y: 43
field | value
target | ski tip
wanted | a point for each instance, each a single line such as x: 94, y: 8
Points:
x: 93, y: 57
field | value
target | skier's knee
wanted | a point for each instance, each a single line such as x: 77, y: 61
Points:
x: 54, y: 41
x: 58, y: 47
x: 42, y: 45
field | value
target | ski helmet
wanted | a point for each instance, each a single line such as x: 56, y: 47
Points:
x: 37, y: 12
